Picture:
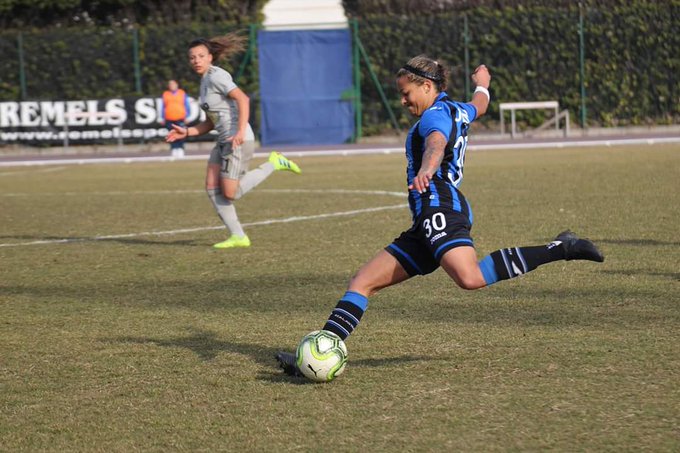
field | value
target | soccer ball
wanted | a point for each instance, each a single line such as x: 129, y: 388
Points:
x: 321, y: 356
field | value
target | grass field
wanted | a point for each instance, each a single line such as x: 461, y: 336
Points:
x: 121, y: 340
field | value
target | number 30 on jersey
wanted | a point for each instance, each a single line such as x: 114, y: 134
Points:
x: 435, y: 223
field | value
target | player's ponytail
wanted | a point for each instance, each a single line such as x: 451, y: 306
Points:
x: 221, y: 47
x: 422, y: 67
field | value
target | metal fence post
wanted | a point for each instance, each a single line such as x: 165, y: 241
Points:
x: 582, y: 69
x: 466, y: 41
x: 135, y: 56
x: 376, y: 82
x: 22, y: 69
x: 250, y: 52
x: 357, y: 79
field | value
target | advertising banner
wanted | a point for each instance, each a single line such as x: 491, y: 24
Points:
x: 86, y: 121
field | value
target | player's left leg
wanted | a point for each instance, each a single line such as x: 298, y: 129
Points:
x: 229, y: 187
x: 234, y: 164
x: 461, y: 263
x: 225, y: 209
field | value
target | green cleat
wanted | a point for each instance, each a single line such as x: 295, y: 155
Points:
x: 281, y: 162
x: 233, y: 241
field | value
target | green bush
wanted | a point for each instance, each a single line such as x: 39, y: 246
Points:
x: 631, y: 59
x: 67, y: 13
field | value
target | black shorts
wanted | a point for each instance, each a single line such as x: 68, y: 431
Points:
x: 420, y: 249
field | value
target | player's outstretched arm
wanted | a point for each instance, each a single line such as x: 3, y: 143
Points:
x: 180, y: 133
x: 480, y: 98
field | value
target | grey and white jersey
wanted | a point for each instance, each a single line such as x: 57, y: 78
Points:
x: 221, y: 109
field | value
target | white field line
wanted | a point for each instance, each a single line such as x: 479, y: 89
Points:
x: 23, y: 172
x: 195, y: 191
x: 100, y: 160
x: 348, y: 152
x: 107, y: 193
x: 194, y: 230
x: 340, y: 191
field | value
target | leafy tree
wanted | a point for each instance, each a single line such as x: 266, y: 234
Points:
x: 41, y: 13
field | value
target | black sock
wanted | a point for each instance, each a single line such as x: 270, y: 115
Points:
x: 346, y: 315
x: 509, y: 263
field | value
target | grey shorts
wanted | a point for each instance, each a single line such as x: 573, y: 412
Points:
x: 233, y: 162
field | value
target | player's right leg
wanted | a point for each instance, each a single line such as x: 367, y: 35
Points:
x: 380, y: 272
x: 282, y: 163
x: 239, y: 161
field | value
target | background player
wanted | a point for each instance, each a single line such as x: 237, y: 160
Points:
x: 228, y: 109
x: 442, y: 217
x: 174, y: 111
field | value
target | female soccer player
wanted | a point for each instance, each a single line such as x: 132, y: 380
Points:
x: 227, y: 109
x: 442, y: 218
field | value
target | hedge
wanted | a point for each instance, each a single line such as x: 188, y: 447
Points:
x: 65, y: 13
x: 631, y: 59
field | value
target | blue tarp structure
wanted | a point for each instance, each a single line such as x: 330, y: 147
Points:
x: 304, y: 74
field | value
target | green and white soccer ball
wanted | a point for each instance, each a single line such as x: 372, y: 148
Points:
x: 321, y: 356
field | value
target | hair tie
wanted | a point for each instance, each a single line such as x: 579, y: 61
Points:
x: 421, y: 73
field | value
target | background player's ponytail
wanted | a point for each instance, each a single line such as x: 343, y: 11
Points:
x: 221, y: 47
x: 426, y: 68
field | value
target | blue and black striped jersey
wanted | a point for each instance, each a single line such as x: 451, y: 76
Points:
x: 452, y: 119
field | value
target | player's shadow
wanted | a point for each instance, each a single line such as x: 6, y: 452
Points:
x: 636, y: 272
x: 178, y: 242
x: 382, y: 362
x: 219, y: 291
x: 639, y: 242
x: 390, y: 361
x: 207, y: 346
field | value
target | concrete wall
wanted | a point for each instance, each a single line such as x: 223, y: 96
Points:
x: 304, y: 14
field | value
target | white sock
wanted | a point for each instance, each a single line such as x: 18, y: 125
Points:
x: 253, y: 178
x: 227, y: 212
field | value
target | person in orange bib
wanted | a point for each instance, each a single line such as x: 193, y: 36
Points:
x: 175, y: 109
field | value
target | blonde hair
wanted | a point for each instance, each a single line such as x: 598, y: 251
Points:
x: 422, y: 67
x: 221, y: 47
